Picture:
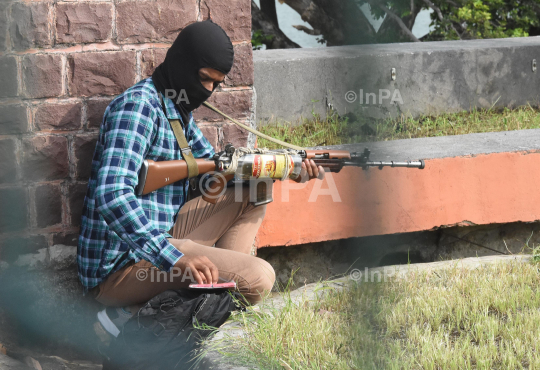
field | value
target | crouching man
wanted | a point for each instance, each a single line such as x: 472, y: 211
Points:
x: 131, y: 248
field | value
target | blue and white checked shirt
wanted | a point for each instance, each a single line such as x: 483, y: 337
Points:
x: 117, y: 226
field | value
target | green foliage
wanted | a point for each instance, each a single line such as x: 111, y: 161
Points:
x: 484, y: 19
x: 258, y: 39
x: 468, y: 19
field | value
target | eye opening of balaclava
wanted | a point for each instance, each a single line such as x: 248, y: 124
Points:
x: 199, y: 45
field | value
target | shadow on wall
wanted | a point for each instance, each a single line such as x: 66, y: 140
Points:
x: 42, y: 310
x: 331, y: 259
x: 43, y: 173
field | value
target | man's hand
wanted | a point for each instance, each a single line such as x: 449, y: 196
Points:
x: 202, y: 269
x: 310, y: 171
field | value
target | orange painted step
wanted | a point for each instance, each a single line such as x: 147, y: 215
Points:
x: 498, y: 186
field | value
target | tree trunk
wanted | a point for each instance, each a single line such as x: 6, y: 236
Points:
x: 390, y: 31
x: 268, y: 7
x: 260, y: 21
x: 340, y: 22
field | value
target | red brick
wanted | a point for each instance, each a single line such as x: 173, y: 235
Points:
x: 13, y: 247
x: 152, y: 21
x: 29, y: 26
x: 241, y: 73
x: 236, y: 104
x: 8, y: 164
x: 8, y: 77
x: 13, y: 119
x: 235, y: 135
x: 13, y: 209
x: 84, y: 147
x: 100, y: 73
x: 58, y: 116
x: 211, y: 134
x: 95, y: 110
x: 234, y: 16
x: 83, y: 22
x: 48, y: 205
x: 42, y: 75
x: 150, y: 59
x: 45, y: 158
x: 76, y: 193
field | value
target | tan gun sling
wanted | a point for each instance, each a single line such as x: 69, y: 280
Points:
x: 185, y: 150
x: 193, y: 169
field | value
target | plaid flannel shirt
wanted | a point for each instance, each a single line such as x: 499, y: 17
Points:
x: 117, y: 226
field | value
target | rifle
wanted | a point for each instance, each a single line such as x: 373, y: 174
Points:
x: 274, y: 164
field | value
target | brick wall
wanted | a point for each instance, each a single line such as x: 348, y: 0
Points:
x: 61, y: 63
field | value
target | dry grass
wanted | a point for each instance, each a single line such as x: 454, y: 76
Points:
x: 334, y: 130
x: 487, y: 318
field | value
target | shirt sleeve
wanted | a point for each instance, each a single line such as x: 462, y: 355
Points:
x: 129, y: 129
x: 200, y: 146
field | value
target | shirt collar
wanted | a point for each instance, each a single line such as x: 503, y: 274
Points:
x: 171, y: 110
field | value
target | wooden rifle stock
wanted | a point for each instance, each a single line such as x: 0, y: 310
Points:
x: 155, y: 175
x: 328, y: 154
x: 331, y: 160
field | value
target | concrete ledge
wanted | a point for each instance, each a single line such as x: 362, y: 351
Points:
x: 394, y: 272
x: 431, y: 77
x: 474, y: 179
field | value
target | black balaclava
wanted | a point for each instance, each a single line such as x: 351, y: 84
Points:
x: 199, y: 45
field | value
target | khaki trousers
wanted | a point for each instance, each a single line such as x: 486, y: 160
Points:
x: 230, y: 225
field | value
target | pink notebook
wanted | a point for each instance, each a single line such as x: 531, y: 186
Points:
x: 228, y: 285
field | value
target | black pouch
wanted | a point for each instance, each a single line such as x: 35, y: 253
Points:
x: 167, y: 332
x: 194, y: 190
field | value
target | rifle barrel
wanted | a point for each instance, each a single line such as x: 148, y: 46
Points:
x: 408, y: 164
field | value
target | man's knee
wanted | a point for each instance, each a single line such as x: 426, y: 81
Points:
x: 266, y: 277
x: 257, y: 280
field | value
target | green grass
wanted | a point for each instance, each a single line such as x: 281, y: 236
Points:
x: 335, y: 130
x: 488, y: 318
